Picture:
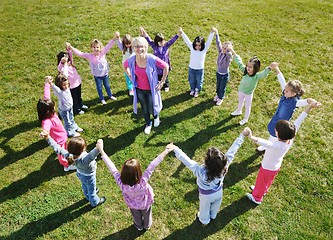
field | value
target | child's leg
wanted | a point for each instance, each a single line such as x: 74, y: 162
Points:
x: 90, y: 183
x: 99, y: 82
x: 69, y: 122
x: 129, y: 83
x: 107, y: 87
x: 75, y: 96
x: 241, y: 98
x: 137, y: 218
x: 147, y: 217
x: 191, y: 78
x: 84, y: 185
x: 263, y: 182
x: 204, y: 208
x: 216, y: 203
x: 199, y: 79
x: 248, y: 103
x: 223, y: 84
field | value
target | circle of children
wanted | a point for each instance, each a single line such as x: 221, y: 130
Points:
x: 146, y: 75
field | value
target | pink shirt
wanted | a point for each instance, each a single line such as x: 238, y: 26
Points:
x: 141, y: 75
x: 70, y: 72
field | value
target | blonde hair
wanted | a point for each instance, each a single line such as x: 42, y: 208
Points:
x: 296, y: 87
x: 96, y: 42
x: 140, y: 41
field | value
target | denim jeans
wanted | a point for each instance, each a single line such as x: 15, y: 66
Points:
x: 77, y: 100
x: 146, y: 101
x: 196, y: 78
x: 103, y: 81
x: 89, y: 188
x: 69, y: 122
x: 221, y: 83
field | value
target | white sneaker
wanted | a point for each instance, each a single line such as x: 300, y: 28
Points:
x: 251, y: 198
x: 216, y: 98
x: 219, y: 102
x: 261, y: 148
x: 157, y: 122
x: 79, y: 129
x: 242, y: 122
x: 236, y: 113
x: 147, y: 129
x: 84, y: 107
x: 196, y: 94
x: 76, y: 134
x: 113, y: 98
x: 166, y: 89
x: 69, y: 168
x: 81, y: 112
x: 103, y: 102
x: 131, y: 93
x: 192, y: 93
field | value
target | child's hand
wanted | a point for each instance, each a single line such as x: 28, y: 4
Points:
x: 247, y: 132
x: 273, y: 65
x: 315, y: 104
x: 117, y: 35
x: 64, y: 60
x: 44, y: 134
x: 142, y: 32
x: 170, y: 147
x: 48, y: 79
x: 180, y: 31
x: 277, y: 70
x: 100, y: 145
x: 214, y: 30
x: 68, y: 45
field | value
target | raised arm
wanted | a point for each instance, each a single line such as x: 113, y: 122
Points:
x: 230, y: 154
x: 186, y: 39
x: 112, y: 168
x: 47, y: 87
x: 58, y: 150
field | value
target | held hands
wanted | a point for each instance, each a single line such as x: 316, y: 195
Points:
x: 143, y: 33
x: 214, y: 30
x: 159, y: 85
x: 180, y: 31
x: 273, y: 65
x: 170, y: 147
x: 116, y: 35
x: 247, y: 132
x: 49, y: 80
x: 100, y: 145
x: 44, y: 134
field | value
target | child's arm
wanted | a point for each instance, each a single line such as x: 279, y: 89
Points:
x: 63, y: 66
x: 108, y: 46
x: 230, y: 154
x: 58, y: 150
x: 77, y: 52
x: 266, y: 71
x: 186, y: 39
x: 260, y: 141
x: 218, y: 41
x: 305, y: 113
x: 192, y: 165
x: 171, y: 41
x: 209, y: 41
x: 119, y: 41
x: 144, y: 34
x: 281, y: 78
x: 304, y: 102
x: 47, y: 87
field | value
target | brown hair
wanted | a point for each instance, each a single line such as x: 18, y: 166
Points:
x: 45, y: 109
x: 215, y: 163
x: 96, y: 41
x: 60, y: 79
x: 285, y: 129
x: 127, y: 39
x: 75, y: 147
x: 131, y: 172
x: 296, y: 87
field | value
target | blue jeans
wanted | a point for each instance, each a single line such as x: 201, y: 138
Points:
x: 105, y: 81
x: 196, y: 78
x: 69, y: 122
x: 221, y: 83
x: 89, y: 188
x: 146, y: 101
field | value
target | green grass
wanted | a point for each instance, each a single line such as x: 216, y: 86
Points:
x: 38, y: 200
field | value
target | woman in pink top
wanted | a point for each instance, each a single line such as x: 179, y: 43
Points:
x: 137, y: 192
x: 51, y: 122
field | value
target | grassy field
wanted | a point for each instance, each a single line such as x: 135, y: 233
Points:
x: 38, y: 200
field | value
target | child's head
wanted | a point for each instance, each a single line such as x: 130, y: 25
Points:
x: 131, y: 172
x: 199, y: 43
x: 127, y: 43
x: 252, y: 66
x: 285, y: 130
x: 45, y: 109
x: 62, y: 55
x: 96, y: 46
x: 140, y: 42
x: 61, y: 81
x: 159, y: 40
x: 225, y: 46
x: 215, y: 163
x: 293, y: 88
x: 75, y: 146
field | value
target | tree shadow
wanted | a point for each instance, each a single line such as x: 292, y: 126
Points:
x: 129, y: 233
x: 50, y: 169
x: 51, y: 222
x: 196, y: 231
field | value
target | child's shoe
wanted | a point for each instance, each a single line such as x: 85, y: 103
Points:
x: 219, y: 102
x: 84, y: 107
x: 243, y: 121
x: 69, y: 168
x: 216, y: 98
x: 251, y: 198
x: 166, y: 89
x: 138, y: 228
x: 81, y: 112
x: 79, y: 129
x: 103, y: 102
x: 147, y: 129
x: 101, y: 201
x: 261, y: 148
x: 236, y: 113
x: 76, y: 134
x: 113, y: 98
x: 131, y: 92
x: 192, y: 93
x: 196, y: 93
x: 157, y: 122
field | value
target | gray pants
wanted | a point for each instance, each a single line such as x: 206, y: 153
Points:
x: 142, y: 218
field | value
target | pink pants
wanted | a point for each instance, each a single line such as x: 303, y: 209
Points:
x: 247, y: 98
x: 63, y: 161
x: 264, y: 181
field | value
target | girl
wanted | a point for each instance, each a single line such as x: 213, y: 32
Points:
x: 223, y: 62
x: 138, y: 194
x: 161, y: 50
x: 66, y: 67
x: 98, y: 65
x: 210, y: 177
x: 85, y: 164
x: 276, y: 150
x: 142, y: 69
x: 289, y: 101
x: 51, y: 122
x: 196, y: 66
x: 65, y: 104
x: 251, y: 76
x: 125, y: 45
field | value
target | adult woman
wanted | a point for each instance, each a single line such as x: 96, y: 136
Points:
x: 142, y: 70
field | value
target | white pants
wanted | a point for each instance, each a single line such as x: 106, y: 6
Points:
x: 209, y: 206
x: 247, y: 98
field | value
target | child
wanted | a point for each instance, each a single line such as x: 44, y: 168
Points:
x: 137, y: 192
x: 223, y: 62
x: 161, y: 50
x: 52, y: 124
x: 66, y: 67
x: 196, y: 66
x: 125, y: 45
x: 98, y: 65
x: 85, y: 164
x: 275, y: 151
x: 65, y: 104
x: 210, y: 177
x: 289, y: 101
x: 248, y: 83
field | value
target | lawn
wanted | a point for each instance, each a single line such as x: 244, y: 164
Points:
x: 38, y: 200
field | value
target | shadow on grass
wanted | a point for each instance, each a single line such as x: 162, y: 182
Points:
x: 50, y: 169
x: 128, y: 233
x: 196, y: 231
x: 12, y: 156
x: 51, y: 222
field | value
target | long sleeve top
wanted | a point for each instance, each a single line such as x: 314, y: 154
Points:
x: 286, y: 107
x: 197, y: 58
x: 65, y: 100
x: 98, y: 64
x: 276, y: 150
x: 248, y: 84
x: 200, y: 170
x: 139, y: 196
x: 85, y: 163
x: 70, y: 72
x: 223, y: 59
x: 162, y: 52
x: 127, y: 54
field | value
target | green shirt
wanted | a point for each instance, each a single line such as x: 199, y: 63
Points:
x: 248, y: 84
